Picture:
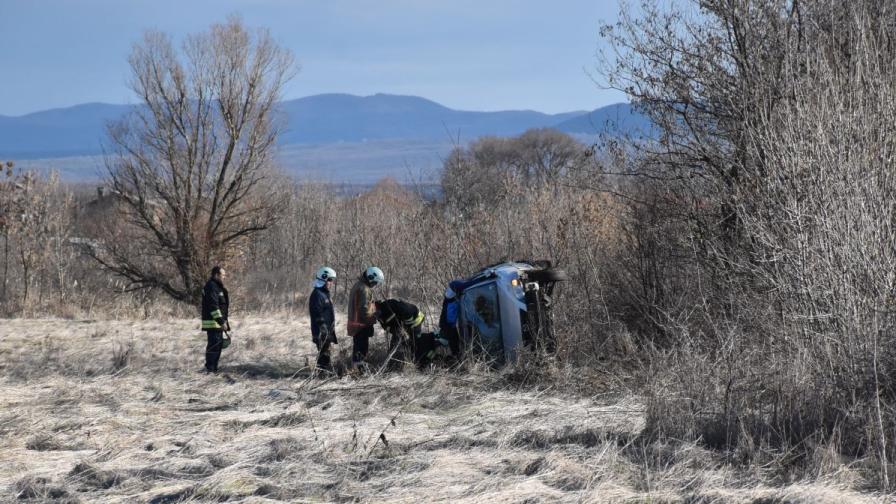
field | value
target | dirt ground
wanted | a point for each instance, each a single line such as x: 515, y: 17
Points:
x: 117, y: 411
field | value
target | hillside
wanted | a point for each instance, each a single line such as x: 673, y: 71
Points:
x: 70, y: 131
x: 319, y: 119
x: 619, y: 117
x: 346, y: 118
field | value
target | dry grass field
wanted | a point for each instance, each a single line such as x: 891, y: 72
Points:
x: 117, y: 411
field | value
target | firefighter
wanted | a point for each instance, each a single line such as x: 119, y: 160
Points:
x: 362, y: 313
x: 323, y: 319
x: 215, y: 301
x: 403, y: 321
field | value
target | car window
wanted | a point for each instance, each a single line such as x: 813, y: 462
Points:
x: 481, y: 313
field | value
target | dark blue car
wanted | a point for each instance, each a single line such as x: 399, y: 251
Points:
x: 507, y: 306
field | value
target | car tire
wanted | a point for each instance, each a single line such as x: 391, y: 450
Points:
x: 548, y: 275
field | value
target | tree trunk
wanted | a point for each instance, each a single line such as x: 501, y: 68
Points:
x: 5, y: 262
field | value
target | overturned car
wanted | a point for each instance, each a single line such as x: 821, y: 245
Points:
x: 505, y: 307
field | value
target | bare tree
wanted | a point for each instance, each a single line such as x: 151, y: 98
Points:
x: 191, y: 165
x: 42, y: 223
x: 10, y: 188
x: 35, y: 220
x: 776, y: 121
x: 480, y: 173
x: 544, y: 154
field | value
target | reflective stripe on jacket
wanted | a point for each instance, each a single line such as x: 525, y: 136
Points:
x: 215, y: 302
x: 408, y: 314
x: 414, y: 321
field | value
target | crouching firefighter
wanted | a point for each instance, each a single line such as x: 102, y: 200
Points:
x: 323, y: 319
x: 215, y: 301
x: 404, y: 322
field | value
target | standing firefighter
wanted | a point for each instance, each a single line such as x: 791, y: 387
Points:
x: 323, y: 319
x: 362, y: 313
x: 215, y: 301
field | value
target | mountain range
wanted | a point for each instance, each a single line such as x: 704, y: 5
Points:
x: 335, y: 130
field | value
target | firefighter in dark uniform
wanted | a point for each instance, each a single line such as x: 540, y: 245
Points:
x: 323, y: 318
x: 404, y: 322
x: 215, y: 301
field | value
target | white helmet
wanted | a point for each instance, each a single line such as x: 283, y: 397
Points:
x: 326, y: 273
x: 374, y: 276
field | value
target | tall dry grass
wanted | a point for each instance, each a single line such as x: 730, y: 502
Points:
x: 81, y: 424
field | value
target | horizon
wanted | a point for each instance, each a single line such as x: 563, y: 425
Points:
x: 500, y: 57
x: 579, y: 110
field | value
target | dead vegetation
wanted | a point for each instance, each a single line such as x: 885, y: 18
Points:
x: 79, y: 427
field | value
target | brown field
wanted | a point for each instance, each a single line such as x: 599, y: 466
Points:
x: 116, y: 411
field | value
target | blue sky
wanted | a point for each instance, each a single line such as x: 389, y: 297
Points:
x: 465, y: 54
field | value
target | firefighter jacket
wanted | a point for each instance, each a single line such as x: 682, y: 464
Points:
x: 320, y: 309
x: 215, y: 301
x: 361, y: 311
x: 406, y: 314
